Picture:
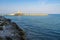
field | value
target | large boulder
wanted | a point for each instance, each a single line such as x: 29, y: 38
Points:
x: 2, y: 20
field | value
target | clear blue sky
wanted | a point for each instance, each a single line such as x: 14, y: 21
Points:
x: 30, y: 6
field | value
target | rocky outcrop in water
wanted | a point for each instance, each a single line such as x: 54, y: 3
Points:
x: 10, y: 30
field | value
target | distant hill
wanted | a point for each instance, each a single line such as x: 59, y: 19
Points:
x: 18, y: 14
x: 35, y: 14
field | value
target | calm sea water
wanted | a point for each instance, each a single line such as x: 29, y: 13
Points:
x: 39, y: 27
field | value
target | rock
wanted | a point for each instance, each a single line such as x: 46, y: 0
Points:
x: 10, y: 30
x: 8, y: 38
x: 1, y: 28
x: 20, y: 31
x: 1, y: 38
x: 2, y: 20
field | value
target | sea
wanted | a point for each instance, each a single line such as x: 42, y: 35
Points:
x: 39, y: 27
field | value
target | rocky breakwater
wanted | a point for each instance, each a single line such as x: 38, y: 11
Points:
x: 10, y: 30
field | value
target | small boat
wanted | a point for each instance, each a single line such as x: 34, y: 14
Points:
x: 10, y: 30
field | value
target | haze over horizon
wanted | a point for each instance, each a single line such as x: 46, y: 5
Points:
x: 30, y: 6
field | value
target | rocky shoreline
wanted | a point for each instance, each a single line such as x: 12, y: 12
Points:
x: 10, y: 30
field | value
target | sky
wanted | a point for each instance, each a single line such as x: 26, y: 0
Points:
x: 30, y: 6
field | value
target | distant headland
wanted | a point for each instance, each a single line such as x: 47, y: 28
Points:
x: 28, y: 14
